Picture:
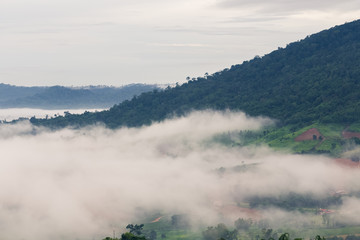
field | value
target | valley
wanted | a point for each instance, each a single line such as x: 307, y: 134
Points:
x: 265, y: 149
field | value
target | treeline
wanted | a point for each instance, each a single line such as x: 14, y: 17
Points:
x: 219, y: 232
x: 292, y: 201
x: 349, y: 237
x: 315, y: 79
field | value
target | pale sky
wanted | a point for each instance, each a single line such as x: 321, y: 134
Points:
x: 117, y: 42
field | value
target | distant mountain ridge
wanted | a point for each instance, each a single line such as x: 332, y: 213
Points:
x: 59, y: 97
x: 316, y: 79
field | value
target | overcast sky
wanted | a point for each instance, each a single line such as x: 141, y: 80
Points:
x: 117, y: 42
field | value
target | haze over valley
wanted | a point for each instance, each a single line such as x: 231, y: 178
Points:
x: 85, y: 183
x: 267, y: 148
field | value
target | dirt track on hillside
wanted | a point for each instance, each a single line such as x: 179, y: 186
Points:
x: 156, y: 220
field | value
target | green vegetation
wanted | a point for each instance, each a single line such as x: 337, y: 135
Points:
x: 294, y: 201
x: 166, y: 227
x: 283, y: 138
x: 248, y: 229
x: 313, y: 80
x: 220, y: 232
x: 310, y: 84
x: 355, y: 127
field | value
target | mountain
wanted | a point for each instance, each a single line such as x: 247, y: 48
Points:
x: 10, y: 92
x: 316, y: 79
x: 58, y: 97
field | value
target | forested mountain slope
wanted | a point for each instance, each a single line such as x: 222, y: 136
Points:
x: 315, y: 79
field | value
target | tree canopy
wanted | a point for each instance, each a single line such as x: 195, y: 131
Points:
x: 315, y: 79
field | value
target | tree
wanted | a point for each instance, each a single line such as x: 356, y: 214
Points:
x: 316, y: 79
x: 130, y: 236
x: 135, y: 229
x: 319, y: 238
x: 243, y: 224
x: 180, y: 221
x: 110, y: 238
x: 284, y: 236
x: 218, y: 232
x: 269, y: 234
x: 153, y: 235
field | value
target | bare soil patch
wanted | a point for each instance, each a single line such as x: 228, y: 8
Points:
x: 156, y: 220
x: 344, y: 162
x: 348, y: 135
x: 308, y: 135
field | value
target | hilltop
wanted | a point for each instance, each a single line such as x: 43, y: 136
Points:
x: 313, y: 80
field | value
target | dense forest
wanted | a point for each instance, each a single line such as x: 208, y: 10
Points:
x: 315, y: 79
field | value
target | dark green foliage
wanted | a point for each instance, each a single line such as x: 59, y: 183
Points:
x: 243, y: 224
x: 109, y: 238
x: 292, y: 201
x: 130, y: 236
x: 356, y: 140
x: 315, y: 79
x: 135, y: 229
x: 352, y: 237
x: 269, y: 234
x: 284, y: 236
x: 153, y: 235
x: 318, y: 238
x: 180, y: 221
x: 334, y: 238
x: 219, y: 232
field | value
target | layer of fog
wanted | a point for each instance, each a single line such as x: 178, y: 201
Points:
x: 10, y: 114
x: 85, y: 183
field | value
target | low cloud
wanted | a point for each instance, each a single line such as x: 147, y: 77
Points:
x: 84, y: 183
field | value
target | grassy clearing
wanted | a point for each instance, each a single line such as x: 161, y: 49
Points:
x: 355, y: 127
x: 330, y: 130
x: 283, y: 139
x: 330, y: 232
x: 165, y: 230
x: 330, y: 145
